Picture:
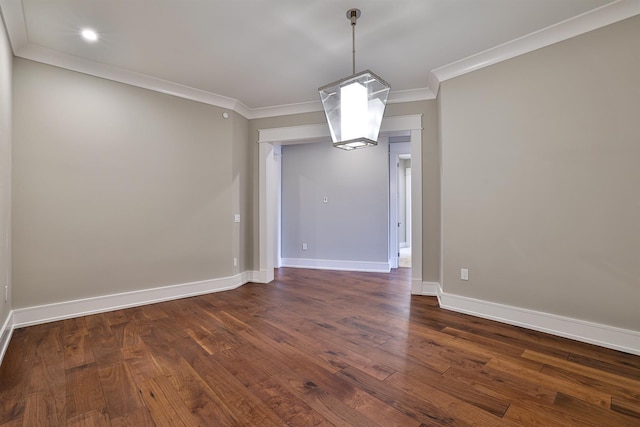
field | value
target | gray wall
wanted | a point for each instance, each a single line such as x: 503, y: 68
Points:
x: 354, y: 224
x: 403, y: 214
x: 6, y: 58
x: 540, y: 179
x: 117, y: 188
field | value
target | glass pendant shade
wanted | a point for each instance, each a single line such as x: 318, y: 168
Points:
x: 354, y: 107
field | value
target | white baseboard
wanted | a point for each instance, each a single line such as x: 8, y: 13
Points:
x: 5, y: 335
x: 431, y: 289
x: 393, y: 262
x: 619, y: 339
x: 82, y: 307
x: 330, y: 264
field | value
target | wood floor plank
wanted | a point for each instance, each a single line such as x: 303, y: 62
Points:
x: 83, y: 393
x: 137, y: 418
x: 164, y: 403
x: 592, y: 413
x: 120, y: 391
x: 630, y: 407
x: 311, y: 348
x: 425, y: 412
x: 606, y: 388
x: 289, y: 407
x: 502, y: 385
x: 78, y: 350
x: 205, y: 405
x: 513, y: 366
x: 532, y: 414
x: 230, y: 391
x: 602, y: 365
x: 40, y: 410
x: 464, y: 411
x: 90, y: 419
x: 582, y: 369
x: 141, y: 362
x: 321, y: 401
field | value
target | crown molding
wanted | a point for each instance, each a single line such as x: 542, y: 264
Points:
x: 97, y: 69
x: 411, y: 95
x: 608, y: 14
x: 569, y: 28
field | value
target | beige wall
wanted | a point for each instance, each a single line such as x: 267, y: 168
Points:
x: 6, y: 58
x: 430, y: 174
x: 540, y: 179
x: 117, y: 188
x: 242, y: 200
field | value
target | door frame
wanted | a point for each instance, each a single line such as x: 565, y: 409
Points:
x: 268, y: 186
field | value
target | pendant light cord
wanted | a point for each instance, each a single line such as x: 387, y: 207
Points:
x: 354, y: 17
x: 353, y: 44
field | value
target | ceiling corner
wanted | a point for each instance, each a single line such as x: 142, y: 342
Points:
x: 580, y: 24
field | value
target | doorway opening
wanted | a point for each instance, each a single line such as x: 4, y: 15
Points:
x: 400, y: 201
x: 268, y: 188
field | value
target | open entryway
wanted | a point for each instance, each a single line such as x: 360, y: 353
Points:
x: 400, y: 201
x: 410, y: 127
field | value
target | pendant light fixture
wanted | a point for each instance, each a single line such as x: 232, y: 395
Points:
x: 354, y: 105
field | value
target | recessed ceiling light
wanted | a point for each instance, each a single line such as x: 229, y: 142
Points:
x: 89, y: 35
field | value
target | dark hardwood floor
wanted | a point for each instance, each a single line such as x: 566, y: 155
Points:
x: 311, y: 348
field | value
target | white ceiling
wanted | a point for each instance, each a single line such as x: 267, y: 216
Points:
x: 254, y: 55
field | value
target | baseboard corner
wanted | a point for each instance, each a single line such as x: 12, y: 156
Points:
x: 5, y: 335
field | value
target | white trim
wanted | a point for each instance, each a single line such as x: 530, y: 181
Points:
x: 257, y: 277
x: 619, y: 339
x: 294, y: 134
x: 332, y: 264
x: 5, y: 335
x: 320, y: 131
x: 572, y: 27
x: 82, y: 307
x: 416, y: 208
x: 267, y: 221
x: 395, y: 97
x: 98, y: 69
x: 411, y: 95
x: 430, y: 289
x: 14, y: 21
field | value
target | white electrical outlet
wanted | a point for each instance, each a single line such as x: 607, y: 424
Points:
x: 304, y: 246
x: 325, y: 199
x: 235, y: 262
x: 464, y: 274
x: 236, y: 218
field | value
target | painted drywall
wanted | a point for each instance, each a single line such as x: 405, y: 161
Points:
x: 241, y: 185
x: 117, y: 188
x: 6, y: 59
x: 404, y: 214
x: 430, y: 174
x: 353, y: 224
x: 540, y: 179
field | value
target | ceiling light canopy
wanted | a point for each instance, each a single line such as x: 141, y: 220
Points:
x: 354, y: 105
x: 89, y: 35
